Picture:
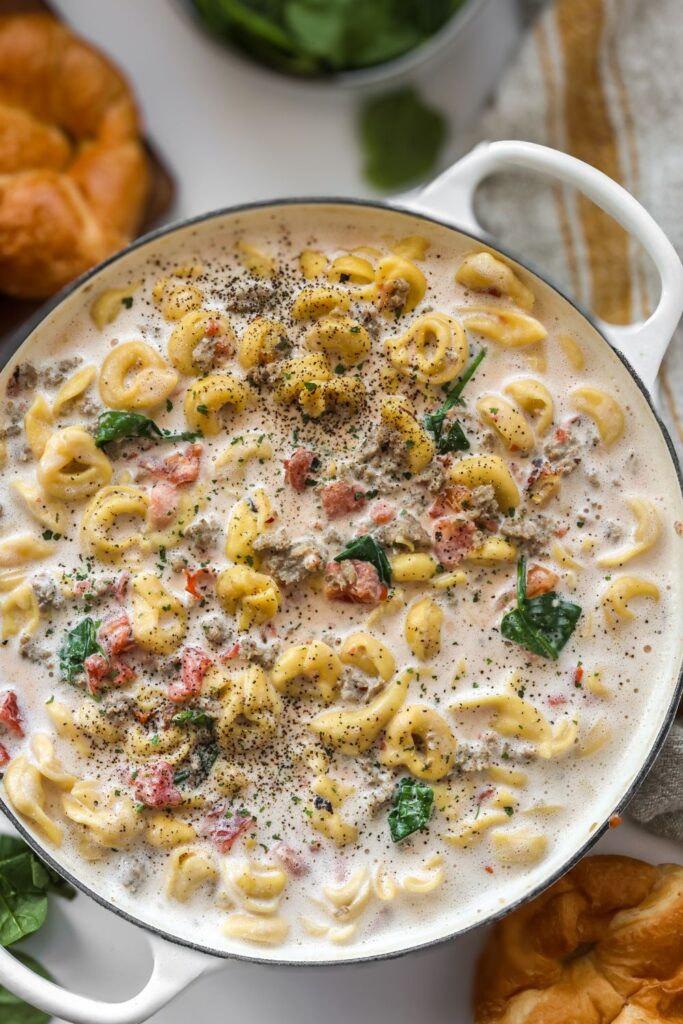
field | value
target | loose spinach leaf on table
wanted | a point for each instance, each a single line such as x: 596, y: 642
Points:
x: 79, y: 643
x: 23, y: 896
x: 24, y: 884
x: 115, y: 426
x: 367, y: 549
x: 14, y: 1010
x: 455, y: 439
x: 411, y: 809
x: 540, y: 624
x: 401, y: 138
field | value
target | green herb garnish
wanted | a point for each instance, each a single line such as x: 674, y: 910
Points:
x: 411, y: 809
x: 79, y: 643
x: 541, y: 624
x: 455, y: 439
x: 193, y: 716
x: 206, y: 756
x: 367, y: 549
x: 115, y: 426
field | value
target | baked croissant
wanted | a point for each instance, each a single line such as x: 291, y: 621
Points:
x: 73, y: 173
x: 604, y: 945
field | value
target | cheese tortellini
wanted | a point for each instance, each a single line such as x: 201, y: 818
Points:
x: 135, y: 376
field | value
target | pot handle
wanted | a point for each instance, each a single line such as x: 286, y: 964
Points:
x: 174, y: 968
x: 451, y: 197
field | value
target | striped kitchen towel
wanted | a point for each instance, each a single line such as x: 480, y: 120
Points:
x: 602, y: 80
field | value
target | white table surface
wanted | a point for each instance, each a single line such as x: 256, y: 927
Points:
x: 232, y: 133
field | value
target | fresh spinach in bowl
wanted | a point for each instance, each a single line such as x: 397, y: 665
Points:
x: 322, y: 37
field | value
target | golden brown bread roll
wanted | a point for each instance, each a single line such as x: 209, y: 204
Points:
x: 73, y: 173
x: 604, y: 945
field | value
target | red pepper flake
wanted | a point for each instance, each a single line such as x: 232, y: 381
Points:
x: 578, y: 675
x: 486, y: 793
x: 488, y: 869
x: 615, y: 821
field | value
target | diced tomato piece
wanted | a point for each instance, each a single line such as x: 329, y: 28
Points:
x: 194, y: 665
x: 540, y: 580
x: 453, y: 540
x: 451, y: 500
x: 164, y: 500
x: 154, y: 786
x: 382, y: 512
x: 354, y: 581
x: 232, y: 652
x: 116, y: 634
x: 122, y: 672
x: 10, y: 716
x: 298, y: 468
x: 224, y: 831
x: 180, y: 468
x: 121, y: 586
x: 193, y: 578
x: 4, y: 756
x: 96, y: 667
x: 294, y: 860
x: 212, y: 328
x: 340, y: 498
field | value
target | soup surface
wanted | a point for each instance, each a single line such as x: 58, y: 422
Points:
x: 339, y: 576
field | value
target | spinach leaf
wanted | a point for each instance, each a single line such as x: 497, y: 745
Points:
x: 367, y: 549
x: 79, y: 643
x: 206, y: 756
x: 312, y: 37
x: 412, y: 808
x: 24, y: 884
x: 455, y: 440
x: 193, y: 716
x: 23, y: 896
x: 401, y: 138
x: 114, y: 426
x: 14, y: 1010
x: 541, y: 624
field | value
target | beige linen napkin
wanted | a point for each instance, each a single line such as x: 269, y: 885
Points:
x: 602, y: 80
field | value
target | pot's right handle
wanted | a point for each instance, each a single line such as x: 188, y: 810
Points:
x: 175, y: 967
x: 451, y: 197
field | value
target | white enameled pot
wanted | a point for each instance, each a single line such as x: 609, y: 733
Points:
x: 448, y: 201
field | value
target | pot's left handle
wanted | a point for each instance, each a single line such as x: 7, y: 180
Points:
x: 451, y: 197
x: 174, y: 968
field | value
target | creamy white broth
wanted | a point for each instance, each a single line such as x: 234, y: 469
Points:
x: 564, y: 798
